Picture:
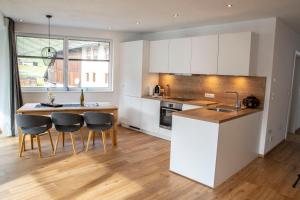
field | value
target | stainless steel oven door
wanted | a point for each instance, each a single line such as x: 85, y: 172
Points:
x: 166, y: 117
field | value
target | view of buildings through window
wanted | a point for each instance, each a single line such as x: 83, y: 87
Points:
x: 87, y: 63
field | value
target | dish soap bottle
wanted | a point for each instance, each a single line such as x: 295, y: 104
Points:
x: 82, y: 98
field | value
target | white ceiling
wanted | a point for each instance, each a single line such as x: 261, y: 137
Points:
x: 154, y: 15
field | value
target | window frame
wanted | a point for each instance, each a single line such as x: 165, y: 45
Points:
x: 65, y: 63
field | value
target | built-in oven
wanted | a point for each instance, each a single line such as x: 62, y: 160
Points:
x: 166, y: 110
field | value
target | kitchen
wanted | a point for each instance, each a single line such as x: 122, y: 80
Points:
x: 204, y: 78
x: 149, y: 100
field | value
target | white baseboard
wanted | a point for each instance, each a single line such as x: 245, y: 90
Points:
x: 166, y: 135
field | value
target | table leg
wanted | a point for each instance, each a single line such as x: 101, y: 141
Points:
x: 31, y: 141
x: 114, y: 135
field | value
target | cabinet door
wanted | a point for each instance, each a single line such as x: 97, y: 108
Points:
x: 234, y: 54
x: 204, y: 55
x: 131, y: 68
x: 130, y: 111
x: 159, y: 56
x: 150, y: 115
x: 180, y: 55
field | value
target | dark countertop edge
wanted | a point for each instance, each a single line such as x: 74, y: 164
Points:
x: 183, y: 102
x: 216, y: 121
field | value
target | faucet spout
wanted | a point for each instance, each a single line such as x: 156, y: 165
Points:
x: 237, y: 102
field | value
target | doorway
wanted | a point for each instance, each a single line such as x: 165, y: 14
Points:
x: 294, y: 114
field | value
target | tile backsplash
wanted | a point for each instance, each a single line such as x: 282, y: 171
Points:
x: 197, y: 85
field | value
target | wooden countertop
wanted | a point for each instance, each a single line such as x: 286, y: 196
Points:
x: 213, y: 116
x: 91, y: 106
x: 196, y: 102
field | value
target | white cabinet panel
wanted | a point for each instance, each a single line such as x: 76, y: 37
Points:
x: 150, y: 115
x: 131, y: 68
x: 205, y: 54
x: 180, y: 55
x: 159, y: 56
x: 234, y: 54
x: 130, y: 111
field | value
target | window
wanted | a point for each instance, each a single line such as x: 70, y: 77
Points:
x: 82, y: 60
x: 32, y: 68
x: 76, y: 59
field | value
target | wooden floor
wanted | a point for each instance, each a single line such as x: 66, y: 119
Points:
x: 136, y: 169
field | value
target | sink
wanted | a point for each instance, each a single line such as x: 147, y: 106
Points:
x: 217, y: 109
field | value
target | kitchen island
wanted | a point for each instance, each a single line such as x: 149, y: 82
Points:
x: 209, y: 146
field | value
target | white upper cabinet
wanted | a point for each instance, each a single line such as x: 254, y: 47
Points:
x: 234, y: 54
x: 159, y: 56
x: 180, y: 55
x: 131, y: 68
x: 204, y: 55
x: 135, y: 78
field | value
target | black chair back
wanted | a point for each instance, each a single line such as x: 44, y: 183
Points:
x: 67, y: 122
x: 96, y: 118
x: 33, y: 124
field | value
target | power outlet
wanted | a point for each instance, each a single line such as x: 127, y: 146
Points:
x: 209, y: 95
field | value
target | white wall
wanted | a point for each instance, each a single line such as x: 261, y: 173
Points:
x: 287, y: 42
x: 294, y: 122
x: 262, y: 57
x: 117, y: 37
x: 5, y: 93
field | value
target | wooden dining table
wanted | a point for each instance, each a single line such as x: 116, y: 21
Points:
x: 38, y: 109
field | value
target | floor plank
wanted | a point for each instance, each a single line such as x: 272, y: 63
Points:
x: 136, y: 169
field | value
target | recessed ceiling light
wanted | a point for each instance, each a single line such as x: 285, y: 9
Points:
x: 175, y: 15
x: 228, y: 5
x: 138, y: 23
x: 20, y: 20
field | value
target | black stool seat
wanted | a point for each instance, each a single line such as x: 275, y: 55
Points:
x: 71, y: 128
x: 100, y: 128
x: 35, y: 130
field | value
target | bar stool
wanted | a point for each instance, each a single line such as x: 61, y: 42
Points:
x: 35, y: 126
x: 67, y: 122
x: 98, y: 123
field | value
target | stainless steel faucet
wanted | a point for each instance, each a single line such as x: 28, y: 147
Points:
x: 237, y: 102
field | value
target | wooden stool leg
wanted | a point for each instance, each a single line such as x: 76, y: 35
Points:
x: 57, y: 140
x: 104, y: 140
x: 73, y: 143
x: 63, y: 139
x: 50, y: 137
x: 111, y: 133
x: 22, y: 145
x: 39, y: 145
x: 31, y: 141
x: 88, y: 141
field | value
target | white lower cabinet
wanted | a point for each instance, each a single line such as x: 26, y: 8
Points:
x: 209, y: 152
x: 130, y: 111
x: 150, y: 115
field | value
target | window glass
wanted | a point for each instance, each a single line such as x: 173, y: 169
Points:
x: 36, y: 70
x: 88, y: 64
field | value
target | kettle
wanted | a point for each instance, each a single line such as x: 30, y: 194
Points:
x: 251, y: 102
